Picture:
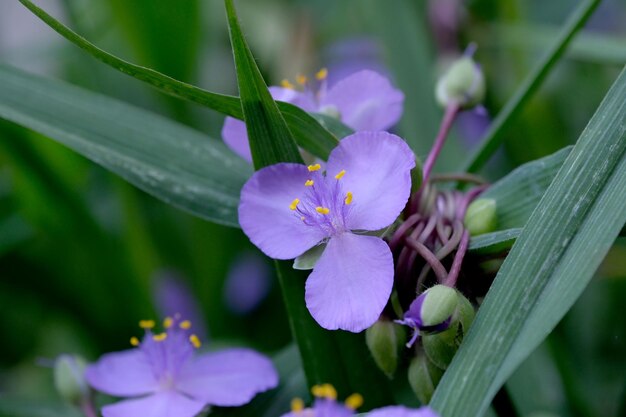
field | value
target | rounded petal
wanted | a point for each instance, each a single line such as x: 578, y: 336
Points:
x: 265, y: 216
x: 123, y: 374
x: 234, y: 131
x: 163, y: 404
x: 227, y: 378
x: 378, y: 174
x: 366, y: 101
x: 350, y: 283
x: 236, y: 137
x: 400, y: 411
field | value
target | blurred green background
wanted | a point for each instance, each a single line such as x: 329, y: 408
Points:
x: 83, y: 254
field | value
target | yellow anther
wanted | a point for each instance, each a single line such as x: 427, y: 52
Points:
x: 340, y: 174
x: 167, y: 322
x: 348, y: 198
x: 315, y: 167
x: 185, y: 325
x: 309, y: 183
x: 324, y: 391
x: 195, y: 341
x: 286, y: 84
x: 159, y: 337
x: 302, y: 218
x: 297, y: 405
x: 294, y: 204
x: 134, y: 341
x: 301, y: 79
x: 321, y: 74
x: 146, y: 324
x: 322, y: 210
x: 354, y: 401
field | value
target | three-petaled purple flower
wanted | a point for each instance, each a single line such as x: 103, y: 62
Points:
x: 171, y: 381
x: 287, y: 209
x: 363, y: 101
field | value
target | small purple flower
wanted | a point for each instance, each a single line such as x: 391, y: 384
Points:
x: 171, y: 381
x: 326, y: 405
x: 286, y: 209
x: 363, y: 101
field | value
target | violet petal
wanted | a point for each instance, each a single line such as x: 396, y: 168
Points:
x: 350, y: 283
x: 230, y: 377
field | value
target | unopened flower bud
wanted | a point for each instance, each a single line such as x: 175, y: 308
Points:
x: 481, y: 217
x: 441, y: 347
x: 385, y: 339
x: 423, y: 377
x: 462, y: 84
x: 69, y: 378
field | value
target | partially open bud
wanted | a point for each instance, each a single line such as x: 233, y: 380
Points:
x: 441, y: 347
x: 481, y: 217
x: 431, y: 311
x: 462, y: 84
x: 385, y: 339
x: 423, y: 377
x: 69, y: 378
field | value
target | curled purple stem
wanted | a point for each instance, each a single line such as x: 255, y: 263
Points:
x: 452, y: 110
x: 429, y: 257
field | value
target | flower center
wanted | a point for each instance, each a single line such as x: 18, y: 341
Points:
x: 323, y: 203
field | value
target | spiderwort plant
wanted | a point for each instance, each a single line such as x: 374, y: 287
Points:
x: 164, y: 377
x: 287, y: 209
x: 364, y: 100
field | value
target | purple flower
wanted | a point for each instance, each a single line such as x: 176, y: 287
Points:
x: 326, y: 405
x: 414, y: 318
x: 171, y: 381
x: 286, y: 209
x: 363, y: 101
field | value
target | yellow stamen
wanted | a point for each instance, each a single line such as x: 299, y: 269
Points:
x: 321, y: 74
x: 354, y: 401
x: 195, y: 341
x: 348, y: 199
x: 134, y: 341
x: 308, y: 183
x: 340, y: 174
x: 297, y: 405
x: 315, y: 167
x: 167, y: 322
x: 146, y: 324
x: 301, y: 79
x: 286, y: 84
x: 324, y: 391
x: 159, y: 337
x: 322, y: 210
x: 185, y: 325
x: 294, y: 204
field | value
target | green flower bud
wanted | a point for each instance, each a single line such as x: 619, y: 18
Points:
x: 441, y: 347
x: 463, y: 84
x: 385, y: 340
x: 69, y: 378
x: 423, y: 377
x: 481, y: 216
x: 440, y: 302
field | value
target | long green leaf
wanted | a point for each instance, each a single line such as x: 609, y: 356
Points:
x: 496, y: 133
x: 170, y: 161
x: 551, y: 262
x: 338, y: 358
x: 309, y: 134
x: 518, y: 193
